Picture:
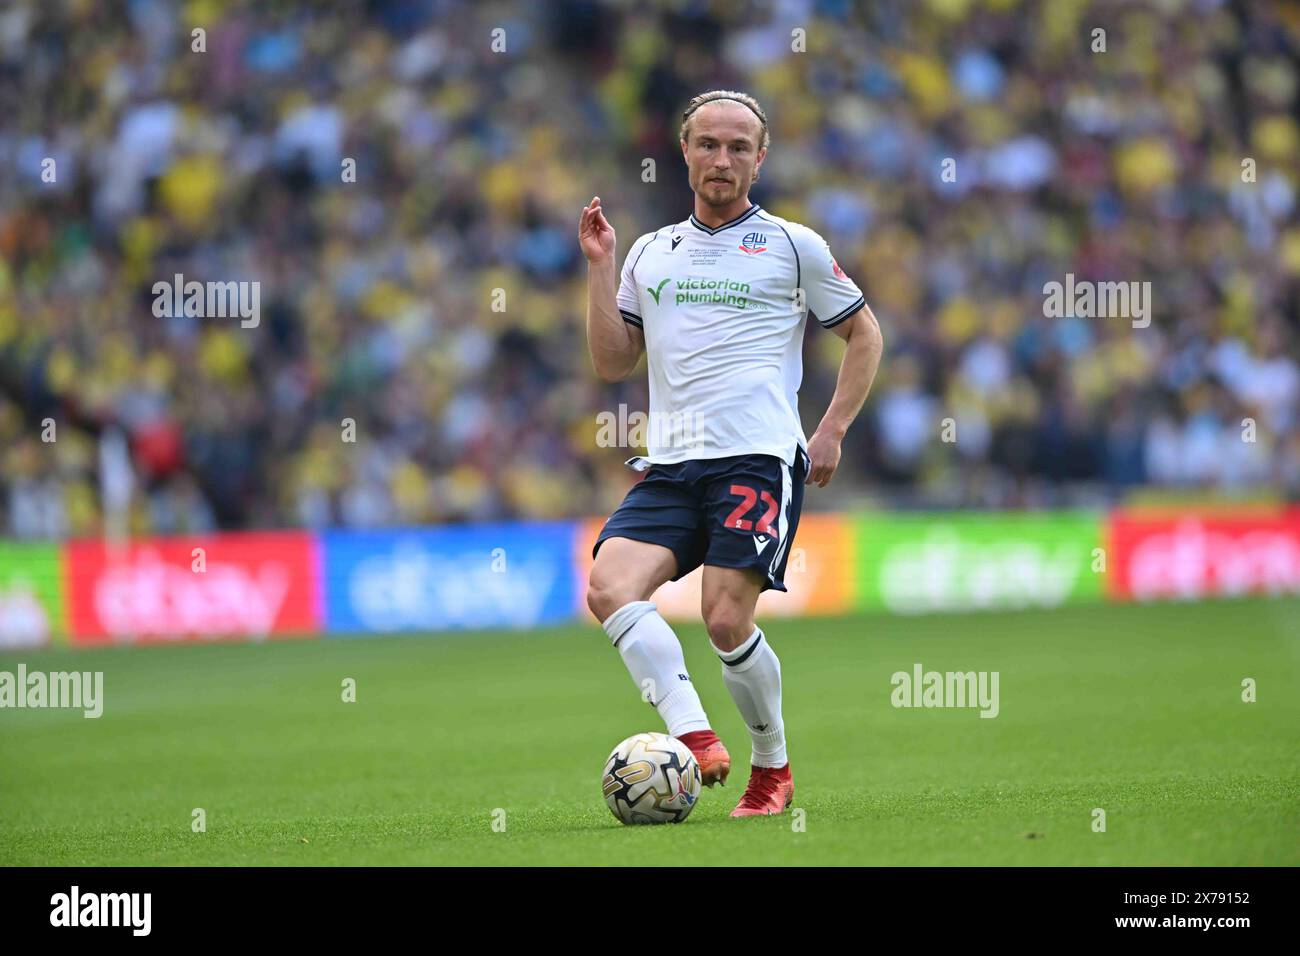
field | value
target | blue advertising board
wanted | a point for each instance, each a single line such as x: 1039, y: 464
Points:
x: 426, y: 579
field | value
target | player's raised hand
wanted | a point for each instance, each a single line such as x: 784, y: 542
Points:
x: 824, y: 454
x: 595, y: 234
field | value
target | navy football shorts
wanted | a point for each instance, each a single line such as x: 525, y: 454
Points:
x: 737, y: 512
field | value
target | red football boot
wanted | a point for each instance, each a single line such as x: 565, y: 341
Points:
x: 770, y: 791
x: 714, y: 761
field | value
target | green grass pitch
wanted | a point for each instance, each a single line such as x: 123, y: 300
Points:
x: 1136, y: 710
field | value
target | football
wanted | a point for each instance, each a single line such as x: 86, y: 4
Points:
x: 651, y: 778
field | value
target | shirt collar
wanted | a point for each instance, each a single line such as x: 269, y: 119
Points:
x: 714, y: 230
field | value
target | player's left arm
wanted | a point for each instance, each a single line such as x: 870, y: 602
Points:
x: 861, y: 334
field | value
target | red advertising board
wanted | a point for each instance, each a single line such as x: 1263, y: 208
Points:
x: 1191, y: 556
x: 166, y: 589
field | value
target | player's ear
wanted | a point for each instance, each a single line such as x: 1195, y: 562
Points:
x: 684, y: 149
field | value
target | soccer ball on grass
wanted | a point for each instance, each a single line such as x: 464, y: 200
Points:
x: 651, y: 778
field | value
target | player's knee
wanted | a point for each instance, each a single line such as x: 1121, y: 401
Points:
x: 604, y: 597
x: 598, y: 601
x: 728, y: 624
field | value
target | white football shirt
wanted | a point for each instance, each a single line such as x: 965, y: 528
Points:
x: 723, y: 321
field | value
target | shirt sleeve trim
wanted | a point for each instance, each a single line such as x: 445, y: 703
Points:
x: 832, y: 322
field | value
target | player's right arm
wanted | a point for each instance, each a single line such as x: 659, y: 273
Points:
x: 616, y: 345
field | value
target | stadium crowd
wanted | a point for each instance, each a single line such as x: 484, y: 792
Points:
x: 437, y: 301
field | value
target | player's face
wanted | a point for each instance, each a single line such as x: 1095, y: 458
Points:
x: 722, y: 157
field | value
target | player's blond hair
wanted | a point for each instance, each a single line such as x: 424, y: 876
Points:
x: 744, y: 99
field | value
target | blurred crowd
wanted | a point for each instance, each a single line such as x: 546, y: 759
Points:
x: 421, y: 353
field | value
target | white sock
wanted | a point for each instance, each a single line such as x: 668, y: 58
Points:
x: 653, y: 656
x: 752, y: 674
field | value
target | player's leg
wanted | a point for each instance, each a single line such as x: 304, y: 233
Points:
x: 626, y: 571
x: 750, y: 667
x: 755, y: 503
x: 663, y: 517
x: 752, y: 674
